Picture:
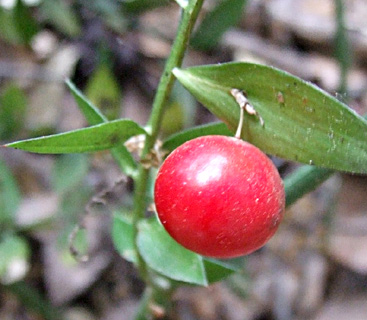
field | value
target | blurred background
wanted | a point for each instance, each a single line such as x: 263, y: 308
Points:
x: 114, y: 51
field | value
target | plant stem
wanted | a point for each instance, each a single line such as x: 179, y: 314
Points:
x: 175, y: 60
x: 189, y: 16
x: 304, y: 180
x: 342, y: 47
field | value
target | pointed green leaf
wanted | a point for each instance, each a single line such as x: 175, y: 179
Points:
x: 94, y: 116
x: 123, y: 237
x: 225, y: 15
x: 91, y: 113
x: 174, y: 141
x: 99, y: 137
x: 166, y: 256
x: 301, y: 122
x: 103, y: 91
x: 217, y: 270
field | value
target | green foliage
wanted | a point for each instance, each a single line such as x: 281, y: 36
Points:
x: 167, y: 257
x: 13, y: 104
x: 304, y: 180
x: 175, y: 140
x: 104, y: 92
x: 225, y: 15
x: 301, y: 122
x: 94, y: 116
x: 99, y: 137
x: 123, y: 237
x: 90, y: 112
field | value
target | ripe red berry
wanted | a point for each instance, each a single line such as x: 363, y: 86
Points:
x: 219, y: 196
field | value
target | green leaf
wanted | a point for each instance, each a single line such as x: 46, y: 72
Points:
x: 122, y: 156
x: 25, y: 24
x: 125, y: 160
x: 13, y: 104
x: 225, y: 15
x: 99, y: 137
x: 174, y: 141
x: 91, y: 113
x: 166, y: 256
x: 60, y: 14
x: 301, y: 122
x: 123, y: 237
x: 217, y: 270
x: 94, y: 116
x: 10, y: 196
x: 103, y: 91
x: 68, y: 171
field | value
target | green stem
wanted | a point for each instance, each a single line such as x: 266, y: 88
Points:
x: 304, y: 180
x: 342, y: 48
x: 175, y: 60
x: 190, y: 14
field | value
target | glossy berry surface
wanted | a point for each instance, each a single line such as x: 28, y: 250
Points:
x: 219, y: 196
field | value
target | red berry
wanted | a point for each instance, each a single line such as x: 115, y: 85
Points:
x: 219, y: 196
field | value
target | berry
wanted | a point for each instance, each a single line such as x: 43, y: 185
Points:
x: 219, y: 196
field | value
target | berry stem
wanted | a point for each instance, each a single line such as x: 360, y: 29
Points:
x: 240, y: 123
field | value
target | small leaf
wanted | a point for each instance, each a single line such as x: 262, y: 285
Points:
x: 301, y: 122
x: 123, y: 237
x: 9, y: 195
x: 122, y: 156
x: 225, y: 15
x: 91, y: 113
x: 174, y: 141
x: 125, y: 160
x: 103, y: 91
x: 99, y: 137
x: 217, y: 270
x: 166, y: 256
